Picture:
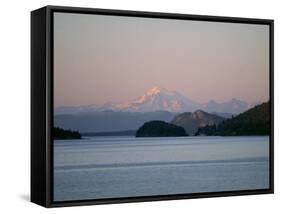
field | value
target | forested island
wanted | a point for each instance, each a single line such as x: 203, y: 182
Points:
x: 62, y: 134
x: 160, y: 129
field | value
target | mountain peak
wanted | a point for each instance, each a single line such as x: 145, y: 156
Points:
x: 161, y: 99
x: 154, y: 90
x: 191, y: 121
x: 233, y: 106
x: 199, y: 111
x: 235, y: 100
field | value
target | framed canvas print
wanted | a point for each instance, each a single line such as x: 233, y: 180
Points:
x: 140, y: 106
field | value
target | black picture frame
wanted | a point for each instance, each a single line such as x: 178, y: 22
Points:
x: 42, y: 104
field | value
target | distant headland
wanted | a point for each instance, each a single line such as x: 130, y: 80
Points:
x: 62, y: 134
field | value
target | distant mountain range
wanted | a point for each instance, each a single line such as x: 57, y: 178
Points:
x: 191, y: 121
x: 156, y: 104
x: 233, y: 106
x: 109, y: 121
x: 155, y: 99
x: 255, y: 121
x: 160, y: 99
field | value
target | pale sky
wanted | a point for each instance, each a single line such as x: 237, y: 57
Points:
x: 101, y: 58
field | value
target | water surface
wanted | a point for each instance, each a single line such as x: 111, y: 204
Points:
x: 109, y: 167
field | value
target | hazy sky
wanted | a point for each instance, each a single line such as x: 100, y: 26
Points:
x: 110, y: 58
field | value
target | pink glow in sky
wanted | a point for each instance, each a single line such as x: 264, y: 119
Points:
x: 109, y: 58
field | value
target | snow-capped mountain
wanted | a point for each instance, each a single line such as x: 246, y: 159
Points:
x: 159, y: 99
x: 154, y: 99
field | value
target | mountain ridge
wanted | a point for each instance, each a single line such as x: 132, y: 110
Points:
x: 255, y: 121
x: 154, y: 99
x: 109, y: 121
x: 160, y: 99
x: 191, y: 121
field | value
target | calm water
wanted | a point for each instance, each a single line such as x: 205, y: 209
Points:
x: 108, y: 167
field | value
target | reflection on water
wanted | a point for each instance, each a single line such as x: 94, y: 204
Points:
x: 108, y: 167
